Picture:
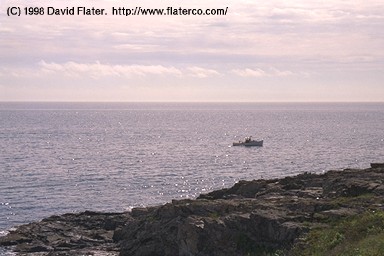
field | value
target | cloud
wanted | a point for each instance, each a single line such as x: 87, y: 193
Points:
x: 257, y: 72
x: 99, y: 70
x: 137, y: 47
x: 202, y: 72
x: 248, y: 72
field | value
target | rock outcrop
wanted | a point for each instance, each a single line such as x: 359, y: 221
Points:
x: 256, y: 217
x: 68, y: 234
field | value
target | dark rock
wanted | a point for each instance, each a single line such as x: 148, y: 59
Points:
x: 70, y: 233
x: 14, y: 238
x: 377, y: 165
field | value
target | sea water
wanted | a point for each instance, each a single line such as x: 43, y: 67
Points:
x: 69, y: 157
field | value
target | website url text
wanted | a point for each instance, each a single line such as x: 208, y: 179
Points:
x: 167, y: 11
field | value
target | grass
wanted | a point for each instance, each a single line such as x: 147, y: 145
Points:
x: 360, y: 235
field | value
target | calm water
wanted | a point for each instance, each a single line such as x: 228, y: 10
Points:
x: 70, y: 157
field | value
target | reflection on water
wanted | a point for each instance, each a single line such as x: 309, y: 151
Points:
x: 58, y: 158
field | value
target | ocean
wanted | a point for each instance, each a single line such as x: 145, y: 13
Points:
x: 57, y: 158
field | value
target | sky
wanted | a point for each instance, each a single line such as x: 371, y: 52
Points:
x: 260, y: 51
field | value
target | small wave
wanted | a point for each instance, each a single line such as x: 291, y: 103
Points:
x: 5, y: 252
x: 4, y: 232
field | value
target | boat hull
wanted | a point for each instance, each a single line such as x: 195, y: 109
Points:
x: 253, y: 143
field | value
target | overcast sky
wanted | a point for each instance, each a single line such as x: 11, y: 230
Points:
x: 271, y: 50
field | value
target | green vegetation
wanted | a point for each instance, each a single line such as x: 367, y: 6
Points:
x: 359, y: 235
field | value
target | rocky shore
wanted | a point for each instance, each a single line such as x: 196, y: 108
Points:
x: 259, y: 217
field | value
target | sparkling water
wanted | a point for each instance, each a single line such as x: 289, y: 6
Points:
x: 70, y: 157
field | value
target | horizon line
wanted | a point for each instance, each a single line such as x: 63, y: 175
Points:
x: 67, y: 101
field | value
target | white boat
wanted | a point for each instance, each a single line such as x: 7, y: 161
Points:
x: 249, y: 142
